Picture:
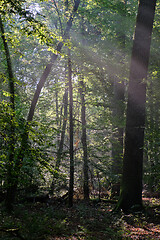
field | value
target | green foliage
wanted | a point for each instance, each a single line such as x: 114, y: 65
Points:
x: 5, y: 120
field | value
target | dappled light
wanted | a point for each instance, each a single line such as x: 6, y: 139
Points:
x: 79, y: 119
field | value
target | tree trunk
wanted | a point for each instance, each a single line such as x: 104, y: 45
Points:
x: 131, y: 192
x: 118, y: 109
x: 37, y: 93
x: 53, y: 59
x: 71, y: 180
x: 84, y: 142
x: 11, y: 172
x: 61, y: 142
x: 153, y: 136
x: 118, y: 115
x: 152, y: 129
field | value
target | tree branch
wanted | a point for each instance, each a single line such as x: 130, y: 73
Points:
x: 49, y: 65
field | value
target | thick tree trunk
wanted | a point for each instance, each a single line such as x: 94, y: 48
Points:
x: 131, y: 195
x: 84, y: 142
x: 11, y: 172
x: 71, y: 179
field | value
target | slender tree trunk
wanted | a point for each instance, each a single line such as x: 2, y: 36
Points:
x: 83, y: 120
x: 40, y: 85
x: 53, y: 59
x: 99, y: 186
x: 61, y: 142
x: 71, y: 180
x: 153, y: 137
x: 156, y: 140
x: 57, y: 113
x: 117, y: 137
x: 118, y: 111
x: 44, y: 77
x: 131, y: 194
x: 118, y: 117
x: 152, y: 131
x: 11, y: 172
x: 84, y: 142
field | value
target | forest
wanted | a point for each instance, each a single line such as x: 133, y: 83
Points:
x: 79, y: 119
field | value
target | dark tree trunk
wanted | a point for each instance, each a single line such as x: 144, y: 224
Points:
x: 84, y: 142
x: 131, y: 195
x: 71, y: 179
x: 60, y: 149
x: 11, y: 172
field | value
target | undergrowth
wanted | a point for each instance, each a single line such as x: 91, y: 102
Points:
x: 92, y: 221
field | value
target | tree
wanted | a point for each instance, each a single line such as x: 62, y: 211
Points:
x: 52, y: 61
x: 71, y: 178
x: 40, y: 85
x: 44, y: 76
x: 84, y: 142
x: 131, y: 192
x: 118, y: 107
x: 98, y: 55
x: 62, y: 137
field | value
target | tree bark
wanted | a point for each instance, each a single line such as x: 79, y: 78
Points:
x: 84, y: 143
x: 71, y: 179
x: 131, y: 192
x: 118, y: 110
x: 118, y: 117
x: 61, y: 142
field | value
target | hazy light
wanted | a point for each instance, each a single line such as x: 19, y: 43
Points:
x: 34, y: 8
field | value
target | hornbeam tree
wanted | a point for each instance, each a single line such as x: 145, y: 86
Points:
x: 131, y: 189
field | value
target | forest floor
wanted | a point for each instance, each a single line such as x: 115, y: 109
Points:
x: 92, y: 221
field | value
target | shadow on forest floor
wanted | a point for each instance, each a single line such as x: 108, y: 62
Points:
x: 94, y: 221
